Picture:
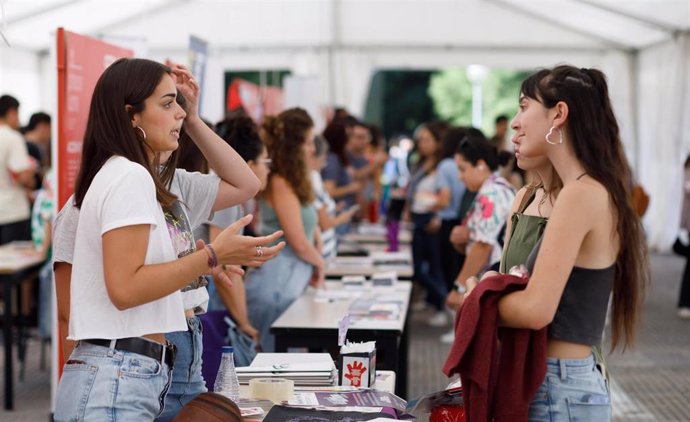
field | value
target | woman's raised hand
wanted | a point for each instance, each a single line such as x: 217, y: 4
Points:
x: 188, y: 87
x: 236, y: 249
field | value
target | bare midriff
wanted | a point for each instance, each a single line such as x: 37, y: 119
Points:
x: 566, y: 350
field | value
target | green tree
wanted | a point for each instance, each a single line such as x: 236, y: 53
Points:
x: 501, y: 90
x: 451, y: 92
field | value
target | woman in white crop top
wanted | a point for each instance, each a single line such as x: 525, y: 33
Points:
x: 126, y: 275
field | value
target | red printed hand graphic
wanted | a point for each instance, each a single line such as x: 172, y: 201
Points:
x: 355, y: 372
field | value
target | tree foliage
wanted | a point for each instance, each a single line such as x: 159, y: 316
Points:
x: 451, y: 93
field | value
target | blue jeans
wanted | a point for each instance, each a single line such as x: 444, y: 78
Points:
x: 573, y: 390
x: 187, y: 381
x: 272, y: 288
x: 426, y: 260
x: 101, y: 384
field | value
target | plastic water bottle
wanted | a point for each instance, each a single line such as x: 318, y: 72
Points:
x: 226, y: 381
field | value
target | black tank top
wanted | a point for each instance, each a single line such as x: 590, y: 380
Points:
x: 581, y: 313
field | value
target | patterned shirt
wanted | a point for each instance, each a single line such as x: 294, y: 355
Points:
x: 489, y: 214
x: 43, y: 211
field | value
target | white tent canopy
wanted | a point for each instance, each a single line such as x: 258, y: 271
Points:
x: 642, y: 45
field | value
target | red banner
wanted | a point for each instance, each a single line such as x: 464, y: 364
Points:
x: 257, y: 102
x: 81, y: 61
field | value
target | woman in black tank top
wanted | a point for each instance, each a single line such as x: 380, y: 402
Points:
x: 565, y: 114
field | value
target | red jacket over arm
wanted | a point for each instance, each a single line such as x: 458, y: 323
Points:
x: 499, y: 379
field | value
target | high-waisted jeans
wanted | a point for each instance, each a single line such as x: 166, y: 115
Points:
x: 573, y: 390
x: 101, y: 384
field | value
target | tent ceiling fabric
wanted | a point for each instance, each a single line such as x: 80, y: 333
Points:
x: 166, y: 24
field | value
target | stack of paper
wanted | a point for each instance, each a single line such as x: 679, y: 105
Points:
x: 391, y: 258
x: 305, y: 369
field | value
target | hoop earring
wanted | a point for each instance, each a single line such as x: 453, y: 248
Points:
x: 560, y: 136
x: 143, y: 134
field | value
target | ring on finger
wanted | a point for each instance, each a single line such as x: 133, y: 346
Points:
x: 259, y: 251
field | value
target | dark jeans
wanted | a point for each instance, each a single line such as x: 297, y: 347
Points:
x: 451, y: 259
x: 426, y: 259
x: 684, y: 298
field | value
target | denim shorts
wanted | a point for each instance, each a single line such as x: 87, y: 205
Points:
x: 108, y: 385
x: 187, y: 381
x: 573, y: 390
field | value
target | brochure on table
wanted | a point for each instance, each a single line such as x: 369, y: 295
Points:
x: 316, y: 369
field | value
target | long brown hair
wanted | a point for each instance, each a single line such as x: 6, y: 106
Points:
x: 595, y: 137
x: 109, y: 129
x: 285, y: 136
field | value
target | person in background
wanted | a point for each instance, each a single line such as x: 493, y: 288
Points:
x: 329, y: 220
x: 477, y: 160
x: 242, y: 134
x: 337, y: 174
x: 16, y: 175
x: 42, y: 215
x: 17, y: 183
x: 509, y: 170
x: 365, y: 162
x: 287, y: 205
x: 37, y: 135
x: 499, y: 138
x: 450, y: 190
x: 423, y: 199
x: 377, y: 153
x: 684, y: 294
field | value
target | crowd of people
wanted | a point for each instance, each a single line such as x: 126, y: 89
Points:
x: 173, y: 217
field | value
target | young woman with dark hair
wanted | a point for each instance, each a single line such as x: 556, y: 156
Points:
x: 325, y: 206
x: 128, y: 262
x: 242, y: 134
x: 477, y: 159
x: 287, y: 204
x: 450, y: 192
x: 337, y: 174
x: 592, y: 247
x: 423, y: 203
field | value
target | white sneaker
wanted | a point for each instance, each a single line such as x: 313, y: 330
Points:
x: 439, y: 319
x: 448, y: 338
x: 684, y: 313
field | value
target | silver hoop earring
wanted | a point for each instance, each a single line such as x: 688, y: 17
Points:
x: 560, y: 136
x: 143, y: 134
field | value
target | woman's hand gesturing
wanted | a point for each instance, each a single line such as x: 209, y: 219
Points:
x: 236, y: 249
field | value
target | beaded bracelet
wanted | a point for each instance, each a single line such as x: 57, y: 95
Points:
x: 212, y: 257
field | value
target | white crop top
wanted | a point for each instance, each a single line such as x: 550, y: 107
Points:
x: 121, y: 194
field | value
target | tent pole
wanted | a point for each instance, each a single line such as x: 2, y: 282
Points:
x: 333, y: 46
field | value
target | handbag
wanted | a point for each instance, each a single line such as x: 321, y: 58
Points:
x: 245, y: 347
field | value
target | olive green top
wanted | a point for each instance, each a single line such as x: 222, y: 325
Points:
x: 525, y: 232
